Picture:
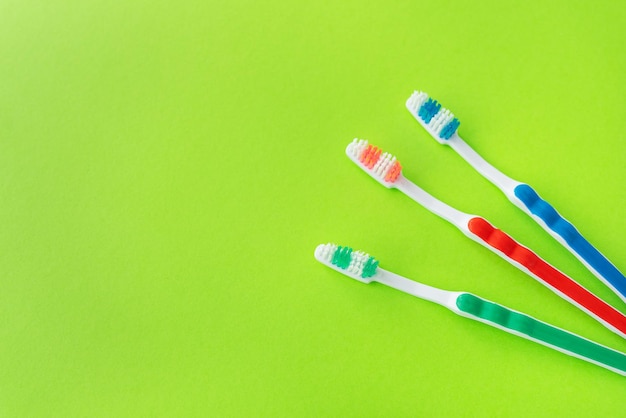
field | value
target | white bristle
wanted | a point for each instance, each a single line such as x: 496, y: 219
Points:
x: 416, y: 100
x: 326, y: 251
x: 381, y: 161
x: 357, y: 262
x: 357, y: 146
x: 384, y: 164
x: 441, y: 119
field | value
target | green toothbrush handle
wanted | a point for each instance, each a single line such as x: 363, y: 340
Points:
x: 530, y: 328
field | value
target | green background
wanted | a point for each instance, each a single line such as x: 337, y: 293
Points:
x: 167, y: 169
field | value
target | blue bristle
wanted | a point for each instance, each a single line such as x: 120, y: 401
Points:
x: 449, y: 129
x: 421, y: 111
x: 428, y: 110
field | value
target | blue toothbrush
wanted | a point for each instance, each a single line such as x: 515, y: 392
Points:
x: 442, y: 125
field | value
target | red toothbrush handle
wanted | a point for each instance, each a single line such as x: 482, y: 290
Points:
x: 511, y: 249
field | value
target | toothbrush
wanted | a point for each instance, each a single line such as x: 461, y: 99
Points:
x: 441, y: 124
x: 386, y: 169
x: 364, y: 268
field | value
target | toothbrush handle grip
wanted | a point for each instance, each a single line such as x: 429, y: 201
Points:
x: 509, y: 249
x: 556, y: 225
x: 532, y: 329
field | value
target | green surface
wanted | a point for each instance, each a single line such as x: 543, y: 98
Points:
x: 538, y: 330
x: 168, y: 168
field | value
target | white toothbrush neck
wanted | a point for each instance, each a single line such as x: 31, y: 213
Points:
x: 436, y: 206
x: 422, y: 291
x: 505, y: 183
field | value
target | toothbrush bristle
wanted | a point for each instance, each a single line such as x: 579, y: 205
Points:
x: 429, y: 109
x: 394, y: 172
x: 439, y: 120
x: 370, y: 156
x: 449, y: 130
x: 382, y: 164
x: 357, y: 263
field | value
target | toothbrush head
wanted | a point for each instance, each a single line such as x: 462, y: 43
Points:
x: 437, y: 120
x: 381, y: 165
x: 355, y: 264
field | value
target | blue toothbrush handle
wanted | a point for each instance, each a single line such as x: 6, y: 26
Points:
x: 582, y: 248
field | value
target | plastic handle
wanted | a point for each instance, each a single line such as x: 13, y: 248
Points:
x: 576, y: 242
x: 537, y: 330
x: 552, y: 277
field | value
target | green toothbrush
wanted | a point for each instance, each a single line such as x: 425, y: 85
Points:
x: 364, y: 268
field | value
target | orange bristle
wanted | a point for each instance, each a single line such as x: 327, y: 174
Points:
x: 365, y: 153
x: 374, y: 156
x: 370, y: 155
x: 394, y: 172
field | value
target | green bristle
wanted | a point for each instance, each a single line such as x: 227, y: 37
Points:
x: 336, y: 255
x: 342, y: 257
x: 346, y: 257
x: 370, y: 268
